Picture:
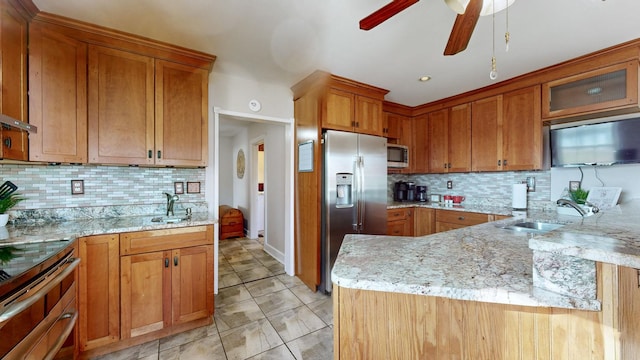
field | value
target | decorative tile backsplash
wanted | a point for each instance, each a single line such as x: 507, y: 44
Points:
x: 108, y: 190
x: 487, y: 188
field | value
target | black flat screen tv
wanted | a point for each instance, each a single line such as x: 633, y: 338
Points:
x: 609, y: 143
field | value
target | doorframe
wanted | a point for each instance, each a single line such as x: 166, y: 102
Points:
x: 253, y: 179
x: 212, y: 178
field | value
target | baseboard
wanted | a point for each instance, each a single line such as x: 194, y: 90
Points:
x: 274, y: 252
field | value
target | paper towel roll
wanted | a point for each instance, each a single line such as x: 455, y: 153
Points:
x: 519, y: 196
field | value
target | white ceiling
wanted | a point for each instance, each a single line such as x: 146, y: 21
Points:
x: 282, y: 41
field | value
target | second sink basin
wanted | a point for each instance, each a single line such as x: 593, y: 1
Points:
x: 533, y: 226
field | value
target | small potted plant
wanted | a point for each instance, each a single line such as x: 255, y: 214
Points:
x: 6, y: 204
x: 579, y: 196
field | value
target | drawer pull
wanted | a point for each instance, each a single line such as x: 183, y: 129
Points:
x: 175, y: 261
x: 460, y: 217
x: 166, y: 262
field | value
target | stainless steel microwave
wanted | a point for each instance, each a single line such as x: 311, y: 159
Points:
x: 397, y: 156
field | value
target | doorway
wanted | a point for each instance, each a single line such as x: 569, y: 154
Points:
x: 275, y: 137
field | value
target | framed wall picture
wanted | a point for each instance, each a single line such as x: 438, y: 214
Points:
x: 178, y: 187
x: 193, y: 187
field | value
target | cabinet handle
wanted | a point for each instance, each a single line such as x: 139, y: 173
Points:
x: 7, y: 142
x: 504, y: 162
x: 159, y: 154
x: 499, y: 162
x: 445, y: 165
x: 357, y: 124
x: 166, y: 262
x: 460, y: 217
x: 449, y: 165
x: 175, y: 261
x: 150, y: 154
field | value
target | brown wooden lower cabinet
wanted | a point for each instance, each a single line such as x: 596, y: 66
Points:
x: 379, y: 325
x: 140, y: 286
x: 400, y: 222
x: 420, y: 221
x: 424, y: 221
x: 451, y: 219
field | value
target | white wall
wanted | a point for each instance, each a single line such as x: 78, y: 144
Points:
x: 233, y: 93
x: 275, y: 190
x: 226, y: 165
x: 624, y: 176
x: 241, y: 186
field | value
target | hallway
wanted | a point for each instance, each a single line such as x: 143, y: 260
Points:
x: 261, y: 313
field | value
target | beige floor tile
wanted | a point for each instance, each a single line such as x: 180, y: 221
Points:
x: 238, y: 314
x: 315, y: 346
x: 306, y: 295
x: 226, y: 280
x: 250, y: 339
x: 278, y: 302
x: 206, y: 348
x: 182, y: 338
x: 265, y: 286
x: 324, y: 309
x: 278, y: 353
x: 290, y: 281
x: 231, y: 295
x: 244, y: 265
x: 256, y: 273
x: 295, y: 323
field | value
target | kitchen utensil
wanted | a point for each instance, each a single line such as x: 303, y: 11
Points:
x: 6, y: 189
x: 457, y: 199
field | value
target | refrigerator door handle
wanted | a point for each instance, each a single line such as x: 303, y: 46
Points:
x: 356, y: 195
x: 361, y: 199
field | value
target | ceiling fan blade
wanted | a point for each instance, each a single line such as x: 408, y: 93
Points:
x: 463, y: 28
x: 386, y: 12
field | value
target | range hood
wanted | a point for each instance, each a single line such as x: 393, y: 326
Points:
x: 7, y: 120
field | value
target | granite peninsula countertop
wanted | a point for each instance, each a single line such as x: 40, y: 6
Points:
x: 483, y: 209
x: 490, y: 264
x: 68, y: 230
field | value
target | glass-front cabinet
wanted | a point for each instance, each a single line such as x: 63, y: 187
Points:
x: 612, y: 88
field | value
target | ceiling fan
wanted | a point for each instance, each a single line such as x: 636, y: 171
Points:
x: 468, y: 13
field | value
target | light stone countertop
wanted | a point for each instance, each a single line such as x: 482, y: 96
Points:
x: 68, y: 230
x: 465, y: 208
x: 490, y: 264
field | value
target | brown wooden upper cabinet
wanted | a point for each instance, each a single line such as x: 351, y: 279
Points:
x: 611, y: 88
x: 144, y: 111
x: 419, y: 156
x: 57, y: 96
x: 351, y: 112
x: 101, y: 97
x: 507, y: 132
x: 450, y: 140
x: 13, y: 75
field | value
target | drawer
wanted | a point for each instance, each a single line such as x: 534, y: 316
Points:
x: 461, y: 217
x: 165, y: 239
x: 398, y: 214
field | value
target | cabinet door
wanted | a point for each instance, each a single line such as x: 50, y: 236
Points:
x: 522, y: 130
x: 368, y: 116
x: 121, y: 107
x: 57, y: 96
x: 486, y: 141
x: 459, y: 139
x: 424, y: 221
x: 181, y: 114
x: 13, y: 59
x: 99, y: 291
x: 419, y: 161
x: 438, y: 144
x: 145, y: 285
x: 192, y: 283
x: 339, y: 113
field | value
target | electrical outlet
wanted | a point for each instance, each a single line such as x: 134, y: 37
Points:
x: 574, y: 185
x: 449, y: 184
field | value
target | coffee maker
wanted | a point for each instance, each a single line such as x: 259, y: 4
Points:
x: 404, y: 191
x: 421, y: 193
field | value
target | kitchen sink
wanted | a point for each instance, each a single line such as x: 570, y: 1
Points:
x: 168, y: 220
x: 533, y: 226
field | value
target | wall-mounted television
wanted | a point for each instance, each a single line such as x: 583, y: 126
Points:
x: 608, y: 143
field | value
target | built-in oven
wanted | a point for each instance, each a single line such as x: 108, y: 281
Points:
x: 38, y: 300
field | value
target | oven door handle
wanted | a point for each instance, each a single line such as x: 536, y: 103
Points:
x: 64, y: 335
x: 14, y: 309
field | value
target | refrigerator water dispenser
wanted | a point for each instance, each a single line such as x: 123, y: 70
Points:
x: 344, y: 184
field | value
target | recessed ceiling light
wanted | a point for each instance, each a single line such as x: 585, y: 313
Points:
x: 424, y: 78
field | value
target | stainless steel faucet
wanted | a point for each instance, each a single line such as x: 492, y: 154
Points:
x: 171, y: 199
x: 578, y: 208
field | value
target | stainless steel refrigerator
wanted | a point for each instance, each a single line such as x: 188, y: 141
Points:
x: 354, y: 192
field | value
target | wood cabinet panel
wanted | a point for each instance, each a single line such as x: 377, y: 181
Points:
x: 400, y: 222
x: 192, y: 284
x: 368, y: 116
x: 424, y: 220
x: 439, y: 141
x: 522, y: 130
x: 451, y: 219
x: 121, y: 111
x: 459, y: 143
x: 145, y: 289
x: 419, y: 158
x: 166, y: 239
x: 181, y: 114
x: 486, y: 144
x: 57, y: 96
x: 339, y: 110
x: 99, y: 291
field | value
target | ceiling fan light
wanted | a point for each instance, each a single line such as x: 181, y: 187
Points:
x: 459, y: 6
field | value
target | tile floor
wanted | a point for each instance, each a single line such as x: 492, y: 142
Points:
x: 261, y: 313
